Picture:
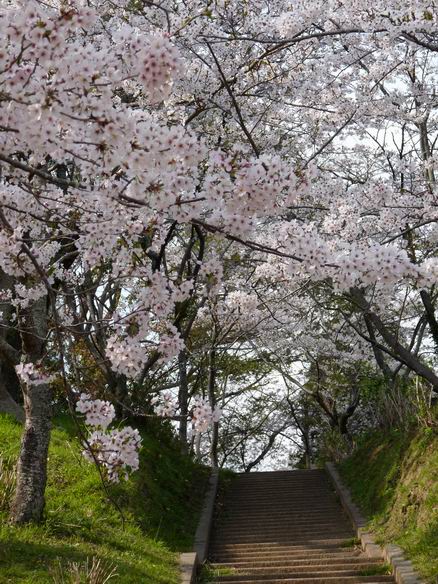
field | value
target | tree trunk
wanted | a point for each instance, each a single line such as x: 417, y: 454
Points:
x: 118, y: 394
x: 28, y: 503
x: 10, y: 352
x: 198, y: 454
x: 183, y: 400
x: 399, y: 351
x: 212, y: 399
x: 9, y: 405
x: 307, y: 450
x: 430, y: 315
x: 265, y: 449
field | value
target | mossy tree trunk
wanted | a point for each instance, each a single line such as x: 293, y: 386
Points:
x: 28, y: 503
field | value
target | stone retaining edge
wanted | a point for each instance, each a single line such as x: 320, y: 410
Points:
x: 403, y: 570
x: 190, y: 562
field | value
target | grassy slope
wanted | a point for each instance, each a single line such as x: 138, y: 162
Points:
x: 160, y: 502
x: 394, y: 479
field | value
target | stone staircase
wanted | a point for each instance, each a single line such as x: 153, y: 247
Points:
x: 287, y: 526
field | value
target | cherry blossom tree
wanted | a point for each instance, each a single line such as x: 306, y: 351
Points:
x: 138, y: 137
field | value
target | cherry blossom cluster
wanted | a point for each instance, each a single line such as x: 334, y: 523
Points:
x: 400, y: 16
x: 247, y: 189
x: 116, y: 450
x: 159, y: 65
x: 30, y: 374
x: 97, y: 412
x: 128, y: 353
x: 165, y: 405
x: 202, y: 415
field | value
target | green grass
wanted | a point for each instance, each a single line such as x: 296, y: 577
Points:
x: 209, y: 573
x: 161, y: 504
x: 394, y: 480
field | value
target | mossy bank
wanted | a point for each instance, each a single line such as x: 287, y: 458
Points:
x: 394, y: 480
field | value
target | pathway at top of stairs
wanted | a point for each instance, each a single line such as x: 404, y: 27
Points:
x: 288, y: 526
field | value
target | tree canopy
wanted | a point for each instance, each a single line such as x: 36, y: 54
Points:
x: 221, y: 212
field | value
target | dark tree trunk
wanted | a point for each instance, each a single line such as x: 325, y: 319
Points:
x: 10, y: 352
x: 398, y: 351
x: 183, y: 400
x: 7, y: 404
x: 212, y: 399
x: 430, y: 315
x: 118, y: 394
x: 10, y: 380
x: 343, y: 425
x: 28, y: 503
x: 307, y: 450
x: 266, y: 449
x: 214, y: 445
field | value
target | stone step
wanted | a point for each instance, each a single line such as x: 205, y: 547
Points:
x: 314, y: 580
x: 301, y: 524
x: 269, y: 473
x: 316, y: 505
x: 283, y: 492
x: 269, y: 520
x: 280, y: 555
x: 275, y: 557
x: 291, y: 526
x: 246, y: 509
x: 297, y: 487
x: 283, y: 561
x: 294, y: 571
x: 319, y: 545
x: 289, y: 511
x: 313, y: 539
x: 322, y: 546
x: 287, y: 502
x: 285, y: 516
x: 281, y: 552
x: 285, y: 527
x: 291, y: 496
x: 286, y: 499
x: 280, y: 538
x: 296, y: 526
